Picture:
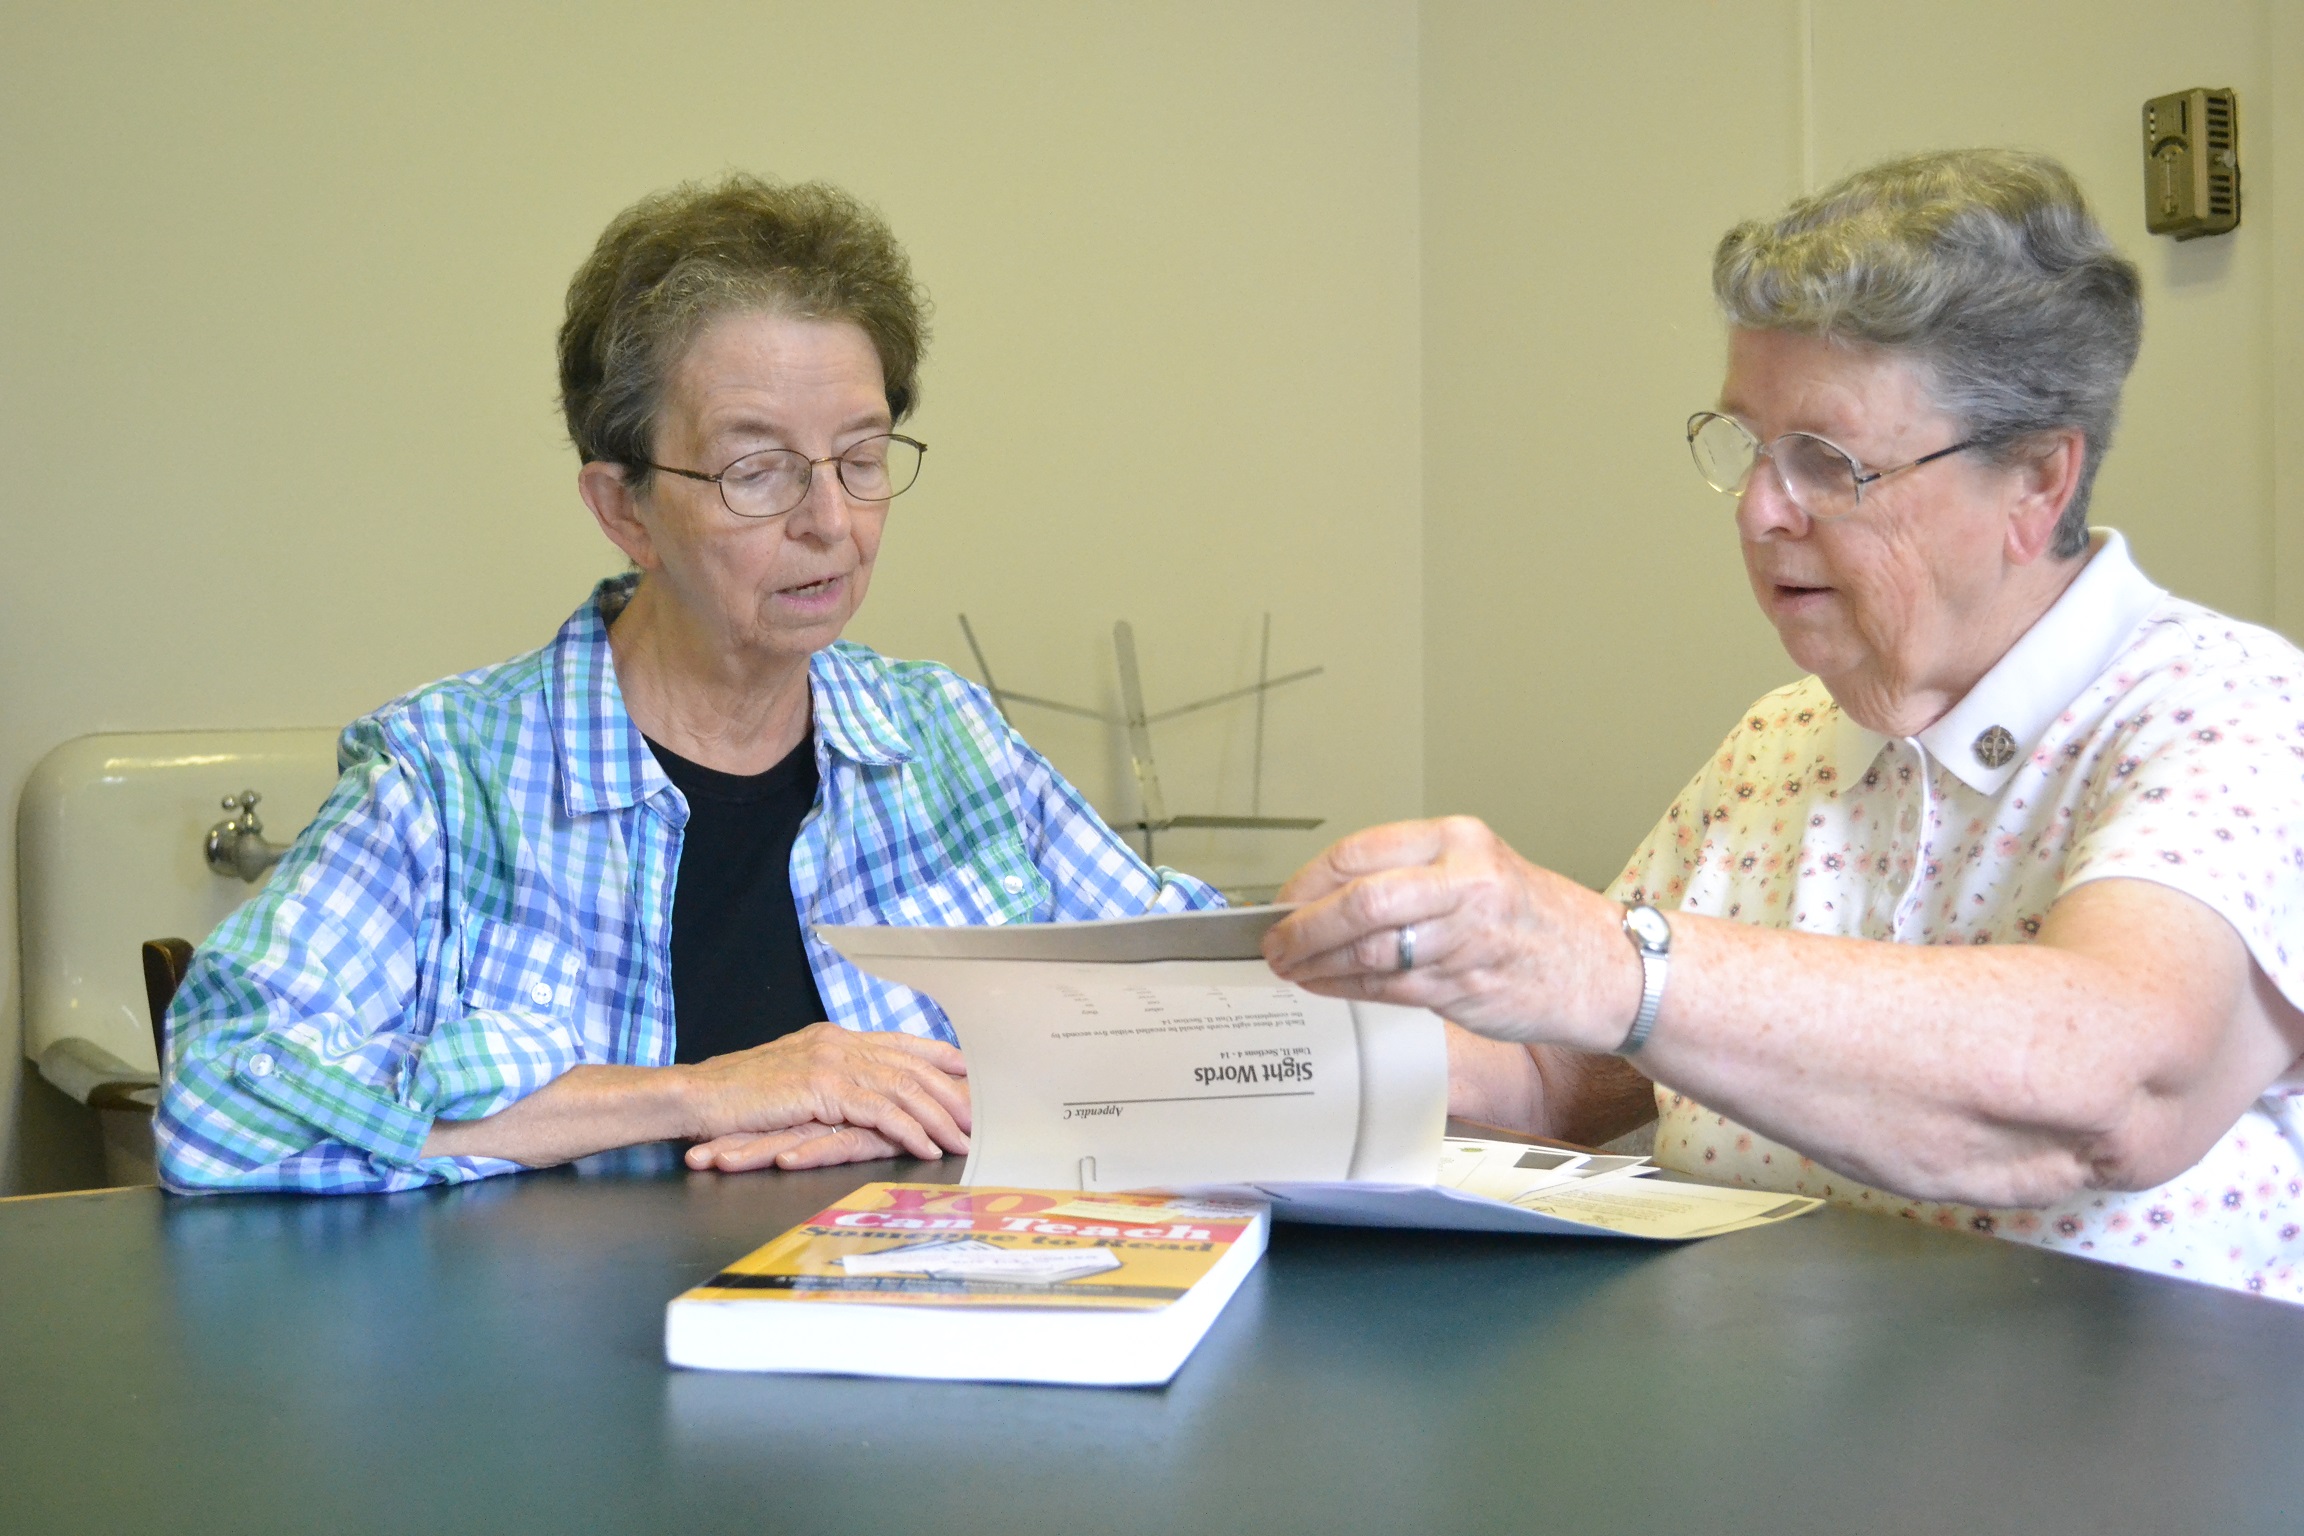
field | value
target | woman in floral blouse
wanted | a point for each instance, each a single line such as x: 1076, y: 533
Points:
x: 1995, y: 920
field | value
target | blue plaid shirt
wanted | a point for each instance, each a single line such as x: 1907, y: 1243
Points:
x: 485, y: 901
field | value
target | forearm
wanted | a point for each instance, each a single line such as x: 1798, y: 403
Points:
x: 1545, y: 1090
x: 586, y: 1109
x: 1915, y: 1069
x: 910, y: 1093
x: 2112, y: 1051
x: 2013, y: 1074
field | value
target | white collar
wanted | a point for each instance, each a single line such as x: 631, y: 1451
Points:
x: 2048, y: 667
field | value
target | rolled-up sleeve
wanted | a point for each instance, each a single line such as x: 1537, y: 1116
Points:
x: 327, y: 1023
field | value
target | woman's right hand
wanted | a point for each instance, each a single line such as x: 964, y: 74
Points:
x: 825, y: 1095
x: 1502, y: 946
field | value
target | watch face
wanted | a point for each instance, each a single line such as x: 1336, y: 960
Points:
x: 1648, y: 926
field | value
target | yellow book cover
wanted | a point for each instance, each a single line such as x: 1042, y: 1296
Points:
x: 937, y: 1245
x: 976, y: 1283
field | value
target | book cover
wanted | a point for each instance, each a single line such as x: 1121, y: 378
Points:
x: 944, y: 1246
x: 982, y: 1283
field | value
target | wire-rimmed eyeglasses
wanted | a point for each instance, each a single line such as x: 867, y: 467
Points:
x: 1823, y: 479
x: 773, y: 481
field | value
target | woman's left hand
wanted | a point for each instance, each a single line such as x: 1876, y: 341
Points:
x: 1500, y: 945
x: 808, y: 1145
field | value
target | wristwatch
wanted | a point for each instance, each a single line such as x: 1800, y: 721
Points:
x: 1652, y: 937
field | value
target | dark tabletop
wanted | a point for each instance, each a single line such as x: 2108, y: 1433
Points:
x: 491, y: 1358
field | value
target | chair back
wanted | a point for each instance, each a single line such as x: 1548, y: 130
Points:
x: 165, y: 962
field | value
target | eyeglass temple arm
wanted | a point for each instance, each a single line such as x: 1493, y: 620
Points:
x: 1926, y: 458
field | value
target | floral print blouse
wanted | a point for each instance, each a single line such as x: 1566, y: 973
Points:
x: 2128, y: 733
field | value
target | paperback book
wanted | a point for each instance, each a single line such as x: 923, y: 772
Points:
x: 977, y: 1284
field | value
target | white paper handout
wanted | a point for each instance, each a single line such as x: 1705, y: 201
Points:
x: 1499, y: 1186
x: 1162, y: 1053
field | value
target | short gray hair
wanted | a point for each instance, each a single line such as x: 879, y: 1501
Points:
x: 674, y: 262
x: 1986, y: 266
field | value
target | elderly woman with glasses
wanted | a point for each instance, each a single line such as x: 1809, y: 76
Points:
x: 1995, y: 920
x: 564, y: 904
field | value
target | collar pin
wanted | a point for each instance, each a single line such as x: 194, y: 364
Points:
x: 1995, y: 748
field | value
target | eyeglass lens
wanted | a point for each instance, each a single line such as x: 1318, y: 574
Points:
x: 775, y: 480
x: 1818, y: 477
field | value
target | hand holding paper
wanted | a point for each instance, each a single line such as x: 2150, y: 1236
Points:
x: 1162, y: 1053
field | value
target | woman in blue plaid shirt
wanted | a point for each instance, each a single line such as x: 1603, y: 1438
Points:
x: 565, y: 903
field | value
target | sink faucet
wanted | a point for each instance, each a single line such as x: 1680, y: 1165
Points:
x: 236, y: 845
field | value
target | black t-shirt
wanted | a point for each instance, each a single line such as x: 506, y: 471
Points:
x: 740, y: 975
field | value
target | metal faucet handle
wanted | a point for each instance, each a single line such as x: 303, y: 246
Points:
x: 236, y: 845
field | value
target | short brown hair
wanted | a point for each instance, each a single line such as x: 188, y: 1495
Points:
x: 677, y: 260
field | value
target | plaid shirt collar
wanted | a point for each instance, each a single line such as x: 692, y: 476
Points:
x: 605, y: 764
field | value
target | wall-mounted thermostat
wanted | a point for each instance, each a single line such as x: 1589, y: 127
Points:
x: 2192, y: 163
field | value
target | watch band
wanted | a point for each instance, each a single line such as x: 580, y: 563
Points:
x: 1655, y: 963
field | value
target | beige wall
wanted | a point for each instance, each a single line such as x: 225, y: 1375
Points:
x: 1588, y: 633
x: 2284, y: 62
x: 1589, y: 636
x: 1381, y: 317
x: 277, y: 293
